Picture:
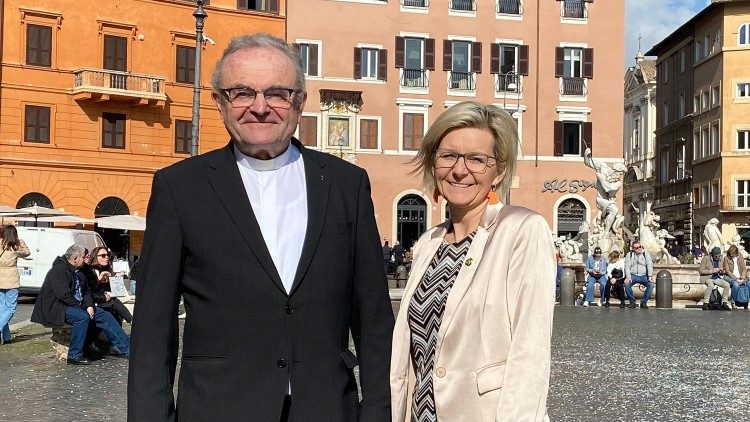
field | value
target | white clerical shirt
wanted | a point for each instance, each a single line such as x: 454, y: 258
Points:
x: 278, y: 194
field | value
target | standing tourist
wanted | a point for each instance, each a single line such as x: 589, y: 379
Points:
x: 472, y: 337
x: 248, y: 234
x: 11, y: 248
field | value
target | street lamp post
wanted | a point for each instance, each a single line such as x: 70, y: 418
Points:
x: 200, y: 16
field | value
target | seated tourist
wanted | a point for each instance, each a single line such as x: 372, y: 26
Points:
x: 639, y: 269
x: 65, y: 299
x: 713, y: 275
x: 735, y: 270
x: 596, y: 268
x: 97, y: 271
x: 615, y: 278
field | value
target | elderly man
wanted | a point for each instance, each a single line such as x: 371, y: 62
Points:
x: 639, y: 269
x: 65, y: 299
x: 246, y: 234
x: 713, y: 275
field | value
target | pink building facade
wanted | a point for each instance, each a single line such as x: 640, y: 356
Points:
x: 379, y: 72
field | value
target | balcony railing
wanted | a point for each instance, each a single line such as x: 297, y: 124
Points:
x: 508, y: 82
x: 414, y: 3
x: 573, y: 86
x: 463, y: 5
x: 414, y: 78
x: 112, y: 84
x: 735, y: 202
x: 575, y: 9
x: 462, y: 81
x: 509, y: 7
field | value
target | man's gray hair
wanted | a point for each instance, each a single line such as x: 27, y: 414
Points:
x: 74, y: 251
x: 259, y: 40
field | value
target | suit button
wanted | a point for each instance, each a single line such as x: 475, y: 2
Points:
x: 440, y: 372
x: 281, y: 363
x: 289, y: 310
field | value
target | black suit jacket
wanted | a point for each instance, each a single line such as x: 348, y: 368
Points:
x: 244, y: 338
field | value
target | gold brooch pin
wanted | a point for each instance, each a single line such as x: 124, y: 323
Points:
x: 468, y: 261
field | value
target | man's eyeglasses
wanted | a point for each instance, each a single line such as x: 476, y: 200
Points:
x: 243, y: 96
x: 476, y: 162
x: 637, y: 247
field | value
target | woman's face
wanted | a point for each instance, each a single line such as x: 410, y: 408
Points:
x: 102, y: 257
x: 461, y: 187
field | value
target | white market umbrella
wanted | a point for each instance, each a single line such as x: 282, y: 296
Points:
x: 58, y: 219
x: 122, y: 222
x: 37, y: 211
x: 6, y: 211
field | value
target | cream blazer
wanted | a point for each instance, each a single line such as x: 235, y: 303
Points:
x: 492, y: 358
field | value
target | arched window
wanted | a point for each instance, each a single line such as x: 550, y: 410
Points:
x: 34, y: 198
x: 570, y: 214
x: 111, y: 205
x: 411, y: 215
x: 743, y: 34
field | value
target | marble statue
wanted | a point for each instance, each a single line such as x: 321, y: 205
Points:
x: 737, y: 241
x: 712, y: 236
x: 608, y: 182
x: 569, y: 250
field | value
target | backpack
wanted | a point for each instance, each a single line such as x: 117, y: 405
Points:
x: 714, y: 302
x: 742, y: 295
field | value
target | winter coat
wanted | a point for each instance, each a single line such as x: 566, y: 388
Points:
x: 9, y: 278
x: 57, y: 293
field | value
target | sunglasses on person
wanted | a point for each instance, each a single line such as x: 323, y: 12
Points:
x: 106, y: 255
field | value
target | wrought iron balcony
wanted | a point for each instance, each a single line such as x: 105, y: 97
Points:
x: 509, y: 7
x: 414, y: 78
x: 508, y: 82
x: 414, y: 3
x: 462, y: 81
x: 105, y: 85
x: 463, y: 5
x: 573, y: 86
x: 575, y: 9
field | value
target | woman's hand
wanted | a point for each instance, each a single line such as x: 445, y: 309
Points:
x: 107, y: 296
x: 104, y: 276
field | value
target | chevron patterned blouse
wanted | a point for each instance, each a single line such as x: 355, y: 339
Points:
x: 425, y: 315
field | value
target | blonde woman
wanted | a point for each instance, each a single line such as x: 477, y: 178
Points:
x: 11, y: 248
x: 472, y: 338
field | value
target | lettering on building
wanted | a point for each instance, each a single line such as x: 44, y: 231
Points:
x: 565, y: 185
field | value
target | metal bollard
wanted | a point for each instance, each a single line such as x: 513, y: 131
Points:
x: 663, y: 289
x: 401, y: 275
x: 568, y: 287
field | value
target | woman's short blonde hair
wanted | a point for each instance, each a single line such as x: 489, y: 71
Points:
x: 471, y: 114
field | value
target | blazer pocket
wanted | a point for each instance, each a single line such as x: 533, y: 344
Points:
x: 490, y: 377
x: 350, y: 360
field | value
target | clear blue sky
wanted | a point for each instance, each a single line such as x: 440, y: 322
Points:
x: 654, y: 20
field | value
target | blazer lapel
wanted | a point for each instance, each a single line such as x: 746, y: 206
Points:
x: 225, y: 179
x: 466, y: 274
x: 318, y: 183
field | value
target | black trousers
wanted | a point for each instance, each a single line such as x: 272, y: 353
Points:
x: 619, y: 288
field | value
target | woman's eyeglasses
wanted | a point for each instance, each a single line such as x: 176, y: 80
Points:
x: 106, y: 255
x: 475, y: 162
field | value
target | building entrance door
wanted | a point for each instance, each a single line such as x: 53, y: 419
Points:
x: 411, y: 215
x: 570, y: 214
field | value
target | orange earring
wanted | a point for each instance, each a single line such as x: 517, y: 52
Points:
x: 492, y: 197
x: 436, y: 195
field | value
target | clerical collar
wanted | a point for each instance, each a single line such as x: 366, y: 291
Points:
x: 287, y: 157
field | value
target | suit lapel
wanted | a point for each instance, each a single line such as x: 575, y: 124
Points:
x: 225, y: 179
x: 318, y: 183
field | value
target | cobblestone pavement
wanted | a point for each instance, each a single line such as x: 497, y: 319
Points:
x: 629, y: 364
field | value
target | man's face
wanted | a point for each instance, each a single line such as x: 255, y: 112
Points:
x: 78, y: 261
x: 638, y: 248
x: 259, y: 130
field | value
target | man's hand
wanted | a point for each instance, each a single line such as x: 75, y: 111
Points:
x: 627, y: 280
x: 90, y: 311
x: 652, y: 278
x: 716, y: 270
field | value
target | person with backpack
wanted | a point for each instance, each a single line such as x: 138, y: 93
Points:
x: 639, y: 269
x: 735, y: 272
x: 712, y: 275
